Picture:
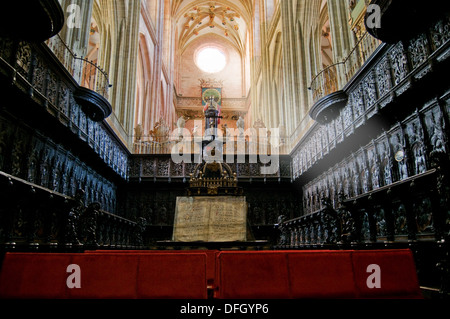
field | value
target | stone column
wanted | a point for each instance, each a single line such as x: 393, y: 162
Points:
x: 76, y: 30
x: 340, y: 29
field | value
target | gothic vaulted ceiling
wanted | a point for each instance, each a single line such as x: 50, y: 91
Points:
x: 228, y: 19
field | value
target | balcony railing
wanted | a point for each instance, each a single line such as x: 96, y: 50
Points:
x: 87, y: 73
x: 231, y: 145
x: 334, y: 77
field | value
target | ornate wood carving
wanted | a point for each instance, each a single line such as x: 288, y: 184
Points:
x: 35, y: 73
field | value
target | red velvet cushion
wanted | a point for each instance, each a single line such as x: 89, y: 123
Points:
x: 321, y: 275
x: 398, y: 274
x: 106, y: 276
x: 252, y: 275
x: 174, y: 276
x: 40, y: 276
x: 210, y: 256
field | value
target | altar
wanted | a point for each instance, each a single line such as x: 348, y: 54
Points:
x: 210, y: 219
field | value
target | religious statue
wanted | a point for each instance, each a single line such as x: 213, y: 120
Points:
x: 90, y: 223
x: 195, y: 131
x: 160, y: 132
x: 240, y: 124
x: 403, y: 170
x: 419, y: 156
x: 180, y: 125
x: 181, y: 122
x: 375, y: 177
x: 73, y: 219
x: 212, y: 117
x: 224, y: 129
x: 437, y: 139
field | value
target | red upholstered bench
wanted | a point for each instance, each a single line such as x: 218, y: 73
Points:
x: 237, y: 275
x: 125, y: 276
x: 285, y: 274
x: 32, y: 276
x: 316, y: 274
x: 321, y: 274
x: 177, y: 276
x: 252, y: 275
x: 210, y: 258
x: 397, y: 274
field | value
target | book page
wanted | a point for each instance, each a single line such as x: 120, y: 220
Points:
x: 191, y: 220
x: 214, y: 219
x: 228, y: 220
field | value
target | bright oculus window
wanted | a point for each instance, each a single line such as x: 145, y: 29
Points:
x: 211, y: 60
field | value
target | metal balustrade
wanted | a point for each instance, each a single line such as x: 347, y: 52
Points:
x: 87, y: 73
x: 334, y: 77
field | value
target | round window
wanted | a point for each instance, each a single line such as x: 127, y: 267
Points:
x: 211, y: 60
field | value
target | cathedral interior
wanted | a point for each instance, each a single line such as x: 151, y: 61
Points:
x: 331, y: 117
